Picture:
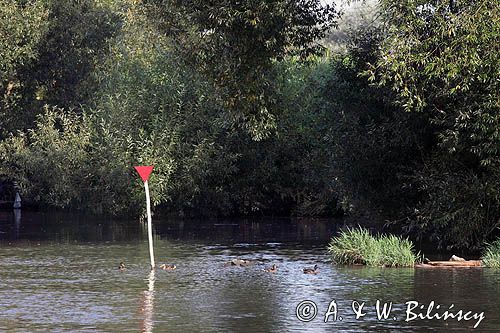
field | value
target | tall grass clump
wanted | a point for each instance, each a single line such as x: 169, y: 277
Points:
x: 351, y: 246
x: 357, y: 246
x: 491, y: 257
x: 397, y: 251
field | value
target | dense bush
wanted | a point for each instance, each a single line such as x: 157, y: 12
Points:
x: 58, y: 164
x: 440, y: 61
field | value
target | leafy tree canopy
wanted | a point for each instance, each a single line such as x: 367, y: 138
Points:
x: 48, y: 48
x: 442, y: 57
x: 22, y: 27
x: 235, y: 43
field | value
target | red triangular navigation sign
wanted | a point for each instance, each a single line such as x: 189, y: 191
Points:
x: 144, y: 171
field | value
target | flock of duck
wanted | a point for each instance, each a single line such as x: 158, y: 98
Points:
x: 234, y: 262
x: 306, y: 270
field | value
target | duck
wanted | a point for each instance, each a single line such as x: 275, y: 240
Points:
x: 309, y: 270
x: 272, y: 269
x: 121, y: 267
x: 239, y: 262
x: 168, y: 267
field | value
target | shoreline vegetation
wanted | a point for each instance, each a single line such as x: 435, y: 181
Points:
x: 258, y: 108
x: 491, y: 257
x: 356, y: 246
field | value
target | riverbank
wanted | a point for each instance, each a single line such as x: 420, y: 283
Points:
x: 357, y: 246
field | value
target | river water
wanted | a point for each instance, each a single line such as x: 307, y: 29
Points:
x: 58, y: 273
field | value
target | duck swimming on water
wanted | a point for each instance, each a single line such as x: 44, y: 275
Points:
x: 309, y: 270
x: 121, y: 267
x: 272, y: 269
x: 239, y: 262
x: 168, y: 267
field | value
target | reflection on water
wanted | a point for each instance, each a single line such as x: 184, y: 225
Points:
x: 59, y: 273
x: 17, y: 221
x: 148, y: 304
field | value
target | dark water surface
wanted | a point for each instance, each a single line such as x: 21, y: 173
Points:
x: 58, y: 273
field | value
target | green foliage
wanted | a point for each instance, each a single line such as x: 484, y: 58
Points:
x: 75, y: 42
x: 372, y: 144
x: 241, y: 113
x: 441, y: 57
x: 458, y: 207
x: 48, y: 49
x: 235, y: 44
x: 214, y: 168
x: 397, y: 251
x: 359, y: 148
x: 57, y: 164
x: 440, y: 60
x: 22, y: 28
x: 491, y: 257
x: 350, y: 246
x: 157, y: 110
x: 301, y: 151
x: 160, y: 103
x: 357, y: 246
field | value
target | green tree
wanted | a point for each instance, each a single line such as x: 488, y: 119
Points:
x: 75, y: 43
x: 235, y: 44
x: 48, y: 50
x: 22, y: 28
x: 442, y: 58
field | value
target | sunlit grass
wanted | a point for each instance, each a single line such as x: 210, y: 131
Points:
x: 491, y: 257
x: 357, y: 246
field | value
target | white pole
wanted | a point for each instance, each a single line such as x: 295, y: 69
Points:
x: 150, y: 229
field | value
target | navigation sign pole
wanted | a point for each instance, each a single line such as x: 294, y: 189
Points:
x: 144, y: 172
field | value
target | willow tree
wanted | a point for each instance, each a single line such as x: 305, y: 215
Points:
x: 235, y: 43
x: 48, y: 48
x: 441, y: 59
x: 22, y: 27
